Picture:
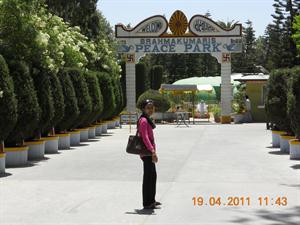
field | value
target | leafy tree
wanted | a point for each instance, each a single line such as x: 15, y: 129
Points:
x: 109, y: 100
x: 58, y: 99
x: 8, y: 103
x: 294, y: 101
x: 45, y: 99
x: 156, y: 77
x: 276, y: 100
x: 70, y: 103
x: 28, y: 107
x: 82, y: 94
x: 96, y: 96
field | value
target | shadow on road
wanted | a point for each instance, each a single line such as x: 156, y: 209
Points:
x: 285, y: 217
x: 278, y: 153
x: 142, y: 212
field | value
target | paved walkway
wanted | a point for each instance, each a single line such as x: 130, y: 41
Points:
x: 99, y: 184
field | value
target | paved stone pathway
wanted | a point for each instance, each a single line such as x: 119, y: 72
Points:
x: 99, y: 184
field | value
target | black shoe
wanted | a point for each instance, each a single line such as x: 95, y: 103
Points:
x: 152, y: 206
x: 157, y: 203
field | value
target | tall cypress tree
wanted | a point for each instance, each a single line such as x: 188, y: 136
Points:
x: 8, y: 103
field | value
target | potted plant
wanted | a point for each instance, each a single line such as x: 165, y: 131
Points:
x: 276, y: 107
x: 294, y: 112
x: 216, y: 110
x: 8, y: 108
x: 84, y: 101
x: 65, y: 128
x: 28, y: 115
x: 239, y: 105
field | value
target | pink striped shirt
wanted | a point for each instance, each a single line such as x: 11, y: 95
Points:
x: 146, y: 133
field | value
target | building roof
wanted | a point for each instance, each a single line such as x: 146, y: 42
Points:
x: 253, y: 77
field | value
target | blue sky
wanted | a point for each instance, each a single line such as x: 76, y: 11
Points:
x: 134, y: 11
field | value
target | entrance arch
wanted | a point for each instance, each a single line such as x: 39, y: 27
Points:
x: 157, y: 35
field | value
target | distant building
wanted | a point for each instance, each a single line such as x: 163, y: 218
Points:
x: 256, y: 89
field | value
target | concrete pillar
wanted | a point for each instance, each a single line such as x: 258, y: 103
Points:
x: 130, y: 87
x: 226, y: 92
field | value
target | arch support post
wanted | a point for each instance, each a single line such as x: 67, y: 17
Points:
x: 226, y: 87
x: 130, y: 83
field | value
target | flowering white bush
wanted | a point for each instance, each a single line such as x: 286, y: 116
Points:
x: 39, y: 37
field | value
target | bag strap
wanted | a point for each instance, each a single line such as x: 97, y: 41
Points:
x: 137, y: 127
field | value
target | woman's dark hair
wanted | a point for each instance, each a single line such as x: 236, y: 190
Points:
x: 146, y: 102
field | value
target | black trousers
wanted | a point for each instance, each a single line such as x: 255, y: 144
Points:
x: 149, y: 181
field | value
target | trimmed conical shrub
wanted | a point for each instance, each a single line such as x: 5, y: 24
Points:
x: 276, y: 100
x: 28, y: 106
x: 70, y: 103
x: 82, y: 94
x: 294, y: 101
x: 107, y: 90
x: 96, y: 96
x: 44, y: 94
x: 8, y: 103
x: 58, y: 99
x: 156, y: 77
x: 161, y: 102
x: 117, y: 96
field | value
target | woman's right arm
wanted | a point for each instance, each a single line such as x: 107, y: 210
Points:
x: 144, y: 135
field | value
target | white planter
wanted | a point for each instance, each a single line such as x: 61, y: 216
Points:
x: 276, y: 138
x: 75, y: 138
x: 17, y: 156
x: 63, y: 141
x: 36, y: 149
x: 104, y: 128
x: 238, y: 118
x: 294, y: 149
x: 84, y: 134
x: 117, y: 122
x: 111, y: 124
x: 99, y: 130
x: 284, y: 143
x: 2, y: 163
x: 51, y: 144
x: 92, y: 132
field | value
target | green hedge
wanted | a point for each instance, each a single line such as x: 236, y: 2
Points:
x: 156, y: 77
x: 107, y: 88
x: 58, y: 99
x: 8, y: 102
x: 28, y: 106
x: 96, y: 96
x: 140, y: 81
x: 82, y: 94
x: 70, y: 103
x: 45, y: 99
x: 161, y: 102
x: 294, y: 101
x: 276, y: 100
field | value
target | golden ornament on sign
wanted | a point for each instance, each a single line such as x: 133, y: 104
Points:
x: 178, y: 23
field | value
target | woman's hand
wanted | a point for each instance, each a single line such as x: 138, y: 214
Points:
x: 154, y: 157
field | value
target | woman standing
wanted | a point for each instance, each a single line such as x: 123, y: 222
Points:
x: 145, y: 128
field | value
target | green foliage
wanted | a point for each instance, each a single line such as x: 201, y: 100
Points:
x: 156, y: 77
x: 28, y: 106
x: 82, y: 94
x: 44, y: 94
x: 293, y: 104
x: 70, y: 102
x: 239, y: 104
x: 118, y: 96
x: 276, y: 100
x: 58, y: 99
x: 8, y: 101
x: 109, y: 100
x: 161, y: 102
x: 140, y: 71
x: 296, y: 36
x: 96, y: 96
